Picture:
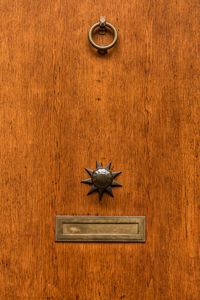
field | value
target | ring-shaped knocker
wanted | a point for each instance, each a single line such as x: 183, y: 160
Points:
x: 102, y: 25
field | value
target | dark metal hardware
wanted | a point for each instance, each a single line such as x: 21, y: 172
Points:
x: 102, y: 179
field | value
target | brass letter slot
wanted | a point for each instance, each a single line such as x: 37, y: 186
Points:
x: 100, y: 229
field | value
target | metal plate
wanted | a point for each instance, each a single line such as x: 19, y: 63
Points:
x: 100, y: 229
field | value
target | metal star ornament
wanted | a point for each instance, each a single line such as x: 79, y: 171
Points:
x: 102, y: 180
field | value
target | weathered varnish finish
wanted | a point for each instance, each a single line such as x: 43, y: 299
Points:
x: 62, y: 107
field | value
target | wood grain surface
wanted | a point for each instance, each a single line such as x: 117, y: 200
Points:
x: 62, y: 107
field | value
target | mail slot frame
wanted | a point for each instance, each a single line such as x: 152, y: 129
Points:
x: 140, y: 236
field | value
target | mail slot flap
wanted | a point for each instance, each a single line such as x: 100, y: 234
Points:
x: 104, y: 229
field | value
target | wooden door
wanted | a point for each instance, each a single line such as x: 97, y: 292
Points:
x: 62, y: 107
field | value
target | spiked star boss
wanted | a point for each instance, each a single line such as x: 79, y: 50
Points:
x: 102, y: 180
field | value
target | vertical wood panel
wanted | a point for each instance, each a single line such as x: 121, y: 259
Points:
x: 62, y: 107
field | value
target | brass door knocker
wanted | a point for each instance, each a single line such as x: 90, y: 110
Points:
x: 102, y: 25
